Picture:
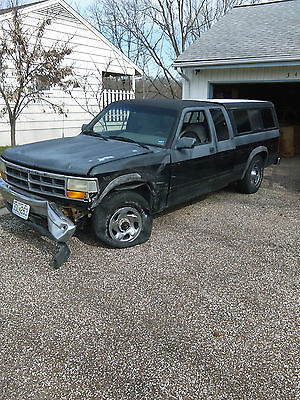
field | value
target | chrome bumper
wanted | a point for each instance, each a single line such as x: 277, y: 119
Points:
x: 60, y: 227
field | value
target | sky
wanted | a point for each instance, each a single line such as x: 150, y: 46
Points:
x: 79, y: 5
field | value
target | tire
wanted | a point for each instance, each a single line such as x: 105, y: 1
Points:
x: 253, y: 176
x: 122, y: 220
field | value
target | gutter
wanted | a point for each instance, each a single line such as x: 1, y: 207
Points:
x: 222, y: 64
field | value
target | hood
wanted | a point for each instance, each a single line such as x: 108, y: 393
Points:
x: 71, y: 156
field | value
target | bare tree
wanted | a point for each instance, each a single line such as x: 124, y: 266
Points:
x: 29, y: 67
x: 107, y: 81
x: 11, y: 3
x: 155, y: 32
x: 91, y: 89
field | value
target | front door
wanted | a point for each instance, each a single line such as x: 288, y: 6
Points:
x: 192, y: 170
x: 225, y: 156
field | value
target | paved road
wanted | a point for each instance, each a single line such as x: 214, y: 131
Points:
x: 204, y: 310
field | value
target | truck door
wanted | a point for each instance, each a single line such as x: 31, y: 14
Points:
x: 192, y: 170
x: 225, y: 147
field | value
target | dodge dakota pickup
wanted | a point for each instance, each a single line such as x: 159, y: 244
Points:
x: 134, y: 159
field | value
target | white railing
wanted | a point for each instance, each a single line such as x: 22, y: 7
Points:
x: 109, y: 96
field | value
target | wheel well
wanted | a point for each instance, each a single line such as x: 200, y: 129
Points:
x: 262, y: 152
x: 142, y: 189
x: 263, y: 155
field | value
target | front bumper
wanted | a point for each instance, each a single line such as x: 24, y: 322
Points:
x: 60, y: 228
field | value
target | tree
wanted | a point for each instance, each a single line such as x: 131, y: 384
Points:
x: 29, y: 67
x: 154, y: 32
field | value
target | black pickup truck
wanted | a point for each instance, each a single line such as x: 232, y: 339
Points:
x: 134, y: 159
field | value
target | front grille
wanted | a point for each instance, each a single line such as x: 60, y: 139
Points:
x: 36, y: 181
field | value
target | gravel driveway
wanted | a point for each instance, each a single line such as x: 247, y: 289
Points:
x: 204, y: 310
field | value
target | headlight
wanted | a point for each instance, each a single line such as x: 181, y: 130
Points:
x: 80, y: 188
x: 2, y: 170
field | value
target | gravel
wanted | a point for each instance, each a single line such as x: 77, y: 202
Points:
x: 2, y: 202
x: 206, y: 309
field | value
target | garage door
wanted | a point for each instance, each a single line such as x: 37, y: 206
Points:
x: 286, y: 98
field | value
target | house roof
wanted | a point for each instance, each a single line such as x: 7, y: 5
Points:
x: 259, y: 33
x: 65, y: 9
x: 7, y: 10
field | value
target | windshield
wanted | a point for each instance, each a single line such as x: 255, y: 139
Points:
x: 136, y: 123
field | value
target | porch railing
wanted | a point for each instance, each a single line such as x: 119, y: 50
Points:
x: 109, y: 96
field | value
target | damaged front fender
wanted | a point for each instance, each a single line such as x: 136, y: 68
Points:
x: 120, y: 180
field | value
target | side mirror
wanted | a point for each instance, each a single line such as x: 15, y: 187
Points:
x: 83, y: 127
x: 185, y: 143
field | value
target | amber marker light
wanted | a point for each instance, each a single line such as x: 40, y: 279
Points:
x: 2, y: 174
x: 75, y: 195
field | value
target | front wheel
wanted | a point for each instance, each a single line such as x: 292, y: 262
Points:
x: 122, y: 220
x: 253, y: 176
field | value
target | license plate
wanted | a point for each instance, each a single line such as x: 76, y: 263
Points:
x: 20, y: 209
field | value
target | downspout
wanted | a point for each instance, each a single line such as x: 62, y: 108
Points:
x: 187, y: 79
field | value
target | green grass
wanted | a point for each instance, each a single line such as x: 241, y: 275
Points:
x: 3, y: 148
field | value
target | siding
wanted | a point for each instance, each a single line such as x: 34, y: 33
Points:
x: 198, y: 87
x: 89, y: 55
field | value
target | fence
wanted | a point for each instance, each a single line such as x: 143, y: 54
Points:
x: 109, y: 96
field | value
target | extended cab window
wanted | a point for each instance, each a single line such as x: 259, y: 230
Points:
x: 195, y: 125
x: 220, y: 124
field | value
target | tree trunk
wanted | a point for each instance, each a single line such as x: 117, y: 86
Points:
x: 12, y: 132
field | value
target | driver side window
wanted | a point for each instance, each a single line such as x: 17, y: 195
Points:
x: 195, y: 126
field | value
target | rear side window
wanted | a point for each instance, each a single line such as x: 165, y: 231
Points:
x: 253, y: 120
x: 220, y: 124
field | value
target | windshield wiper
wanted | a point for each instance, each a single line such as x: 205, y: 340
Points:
x: 125, y: 139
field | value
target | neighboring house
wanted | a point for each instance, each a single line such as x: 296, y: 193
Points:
x: 95, y: 60
x: 253, y: 52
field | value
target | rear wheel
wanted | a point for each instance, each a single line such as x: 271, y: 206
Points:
x: 253, y: 176
x: 122, y: 220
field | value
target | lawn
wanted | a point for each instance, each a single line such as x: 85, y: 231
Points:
x: 3, y: 148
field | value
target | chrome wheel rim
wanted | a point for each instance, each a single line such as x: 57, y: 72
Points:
x: 256, y: 175
x: 125, y: 224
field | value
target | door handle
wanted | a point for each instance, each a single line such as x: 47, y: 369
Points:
x: 211, y: 149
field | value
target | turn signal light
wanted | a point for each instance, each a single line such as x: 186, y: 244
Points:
x: 3, y: 175
x: 75, y: 195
